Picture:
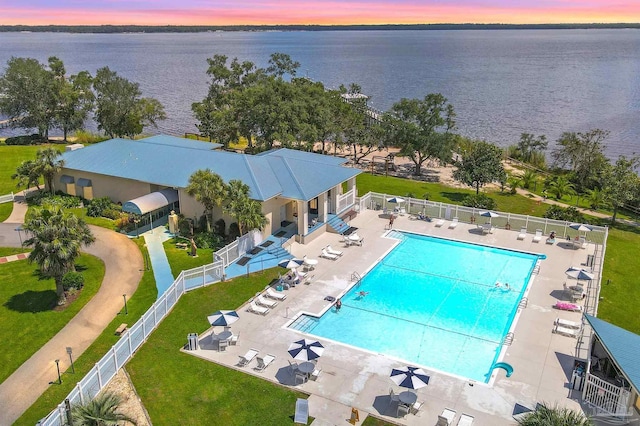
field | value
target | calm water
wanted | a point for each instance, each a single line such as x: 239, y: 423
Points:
x: 432, y: 302
x: 502, y: 83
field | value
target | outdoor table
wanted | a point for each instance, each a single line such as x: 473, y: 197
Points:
x: 224, y: 335
x: 306, y: 367
x: 408, y: 398
x: 577, y: 288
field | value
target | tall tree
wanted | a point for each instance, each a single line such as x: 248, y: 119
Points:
x: 421, y: 128
x: 28, y: 174
x: 582, y: 153
x: 100, y: 411
x: 479, y: 165
x: 75, y: 101
x: 48, y: 164
x: 561, y: 186
x: 247, y: 212
x: 209, y: 189
x: 120, y: 109
x: 56, y: 238
x: 529, y: 144
x: 621, y: 183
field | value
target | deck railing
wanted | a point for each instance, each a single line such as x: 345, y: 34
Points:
x: 604, y: 397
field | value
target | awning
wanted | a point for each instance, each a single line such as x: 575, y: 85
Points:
x: 66, y: 179
x: 84, y: 182
x: 150, y: 202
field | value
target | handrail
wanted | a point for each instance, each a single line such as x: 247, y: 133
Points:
x: 355, y: 277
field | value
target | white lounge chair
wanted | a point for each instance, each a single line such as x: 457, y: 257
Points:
x: 248, y: 357
x: 332, y: 251
x: 328, y: 255
x: 446, y: 418
x: 439, y: 223
x: 253, y: 307
x: 264, y: 362
x: 356, y: 239
x: 233, y: 341
x: 465, y: 420
x: 523, y: 234
x: 569, y: 332
x: 453, y: 223
x: 274, y: 294
x: 266, y: 302
x: 302, y: 411
x: 416, y: 407
x: 568, y: 323
x: 487, y: 228
x: 538, y: 236
x: 315, y: 374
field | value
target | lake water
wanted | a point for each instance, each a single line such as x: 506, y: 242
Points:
x: 501, y: 83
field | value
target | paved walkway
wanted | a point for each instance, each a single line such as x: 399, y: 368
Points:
x: 159, y: 262
x: 14, y: 257
x: 123, y: 271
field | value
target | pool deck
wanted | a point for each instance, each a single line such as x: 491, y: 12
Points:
x: 351, y: 377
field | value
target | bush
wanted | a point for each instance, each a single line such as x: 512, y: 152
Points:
x: 97, y: 206
x: 220, y: 227
x: 479, y: 201
x: 570, y: 214
x: 85, y: 137
x: 112, y: 213
x: 185, y: 225
x: 208, y: 240
x: 123, y: 223
x: 72, y: 280
x: 62, y: 200
x: 33, y: 139
x: 234, y: 231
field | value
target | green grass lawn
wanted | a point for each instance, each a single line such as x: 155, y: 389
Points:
x: 27, y: 303
x: 97, y: 221
x: 201, y: 389
x: 180, y: 260
x: 137, y: 305
x: 10, y: 158
x: 5, y: 211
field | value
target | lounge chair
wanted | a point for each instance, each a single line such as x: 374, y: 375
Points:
x: 302, y: 411
x: 538, y: 236
x: 453, y: 223
x: 446, y: 418
x: 274, y: 294
x: 332, y: 251
x: 328, y: 255
x: 465, y: 420
x: 566, y: 306
x: 439, y: 223
x: 264, y: 362
x: 355, y: 239
x: 416, y: 407
x: 315, y: 374
x: 266, y: 302
x: 567, y: 323
x: 253, y: 307
x: 233, y: 341
x: 248, y: 357
x: 487, y: 228
x: 569, y: 332
x: 523, y: 234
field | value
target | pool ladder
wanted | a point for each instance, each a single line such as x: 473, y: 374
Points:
x: 356, y: 278
x: 508, y: 339
x: 523, y: 303
x: 536, y: 269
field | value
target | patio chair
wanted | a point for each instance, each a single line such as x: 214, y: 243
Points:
x: 247, y: 358
x: 301, y: 378
x: 302, y: 411
x: 486, y: 228
x: 293, y: 367
x: 465, y: 420
x: 233, y: 341
x: 446, y: 418
x: 523, y: 234
x: 538, y: 236
x: 265, y: 302
x: 356, y: 239
x: 439, y: 223
x: 261, y: 310
x: 569, y: 332
x: 270, y: 293
x: 453, y: 223
x: 416, y: 407
x: 328, y: 255
x: 315, y: 374
x: 222, y: 345
x: 264, y: 362
x: 332, y: 251
x: 393, y: 397
x: 402, y: 410
x: 567, y: 323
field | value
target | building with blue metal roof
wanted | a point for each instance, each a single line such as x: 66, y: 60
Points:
x: 293, y: 186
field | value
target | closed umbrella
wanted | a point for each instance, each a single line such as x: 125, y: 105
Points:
x: 579, y: 273
x: 410, y: 377
x: 223, y: 318
x: 306, y: 349
x: 291, y: 263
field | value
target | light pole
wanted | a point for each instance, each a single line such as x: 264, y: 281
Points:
x: 126, y: 311
x: 58, y: 368
x: 19, y: 229
x: 69, y: 351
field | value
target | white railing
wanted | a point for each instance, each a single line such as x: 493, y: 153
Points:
x: 346, y: 200
x: 105, y: 369
x: 604, y: 397
x: 6, y: 198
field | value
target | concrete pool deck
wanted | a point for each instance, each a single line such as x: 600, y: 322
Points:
x: 353, y: 377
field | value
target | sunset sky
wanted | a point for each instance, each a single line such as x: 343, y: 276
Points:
x: 256, y: 12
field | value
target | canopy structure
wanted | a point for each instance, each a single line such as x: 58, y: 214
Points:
x: 150, y: 202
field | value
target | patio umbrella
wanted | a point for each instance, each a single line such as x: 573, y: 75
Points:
x: 290, y: 263
x: 489, y: 214
x: 395, y: 200
x: 410, y: 377
x: 579, y: 273
x: 223, y: 318
x: 581, y: 227
x: 306, y: 349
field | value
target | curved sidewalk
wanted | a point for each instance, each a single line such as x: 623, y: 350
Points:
x: 123, y: 271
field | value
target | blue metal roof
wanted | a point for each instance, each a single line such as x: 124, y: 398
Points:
x: 182, y: 142
x: 165, y: 161
x: 622, y: 345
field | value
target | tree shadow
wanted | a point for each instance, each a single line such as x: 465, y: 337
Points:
x: 38, y: 274
x: 33, y: 301
x: 453, y: 196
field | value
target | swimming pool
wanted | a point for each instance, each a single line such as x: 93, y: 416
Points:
x: 432, y: 302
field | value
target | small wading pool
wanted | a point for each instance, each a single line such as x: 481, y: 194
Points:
x: 432, y: 302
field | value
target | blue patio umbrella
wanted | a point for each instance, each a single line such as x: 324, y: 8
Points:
x: 490, y: 214
x: 306, y: 349
x: 223, y: 318
x: 579, y: 273
x: 290, y: 263
x: 581, y: 227
x: 395, y: 200
x: 410, y: 377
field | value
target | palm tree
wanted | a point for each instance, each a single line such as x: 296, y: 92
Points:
x: 247, y: 212
x: 27, y: 174
x: 561, y: 186
x: 596, y: 198
x: 56, y: 238
x: 48, y: 165
x: 528, y: 179
x: 544, y: 416
x: 101, y: 411
x: 209, y: 189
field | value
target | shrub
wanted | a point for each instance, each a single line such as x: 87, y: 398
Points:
x: 33, y: 139
x: 72, y: 280
x: 185, y: 225
x: 570, y: 214
x: 97, y: 206
x: 220, y: 227
x: 85, y: 137
x: 112, y: 213
x: 234, y: 231
x: 62, y: 200
x: 208, y: 240
x: 479, y: 201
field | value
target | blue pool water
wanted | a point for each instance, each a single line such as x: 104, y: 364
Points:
x: 432, y: 302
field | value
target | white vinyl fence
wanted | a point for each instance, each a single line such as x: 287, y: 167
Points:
x: 6, y: 198
x: 346, y: 200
